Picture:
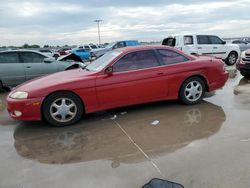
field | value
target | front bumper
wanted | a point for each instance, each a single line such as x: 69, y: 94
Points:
x: 25, y: 109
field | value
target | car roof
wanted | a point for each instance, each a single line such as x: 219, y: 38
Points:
x: 144, y: 47
x: 22, y: 50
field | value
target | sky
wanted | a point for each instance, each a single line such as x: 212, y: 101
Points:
x: 72, y: 21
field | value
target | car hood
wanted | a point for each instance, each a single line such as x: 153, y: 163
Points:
x: 66, y: 80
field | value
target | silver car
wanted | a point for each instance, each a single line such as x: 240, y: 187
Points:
x: 18, y: 66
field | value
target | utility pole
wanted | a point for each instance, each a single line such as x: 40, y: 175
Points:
x: 98, y: 27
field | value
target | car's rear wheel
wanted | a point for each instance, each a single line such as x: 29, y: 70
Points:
x: 62, y: 109
x: 192, y: 90
x: 232, y: 58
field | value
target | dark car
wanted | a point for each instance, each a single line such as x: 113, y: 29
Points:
x: 244, y: 64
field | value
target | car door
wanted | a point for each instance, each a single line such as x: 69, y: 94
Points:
x: 219, y: 49
x: 11, y: 69
x: 137, y: 77
x: 203, y: 45
x: 35, y: 66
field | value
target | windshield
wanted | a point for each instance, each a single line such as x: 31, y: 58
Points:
x: 103, y: 61
x: 110, y: 45
x: 93, y: 47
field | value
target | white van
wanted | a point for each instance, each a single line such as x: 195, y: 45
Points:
x: 205, y: 45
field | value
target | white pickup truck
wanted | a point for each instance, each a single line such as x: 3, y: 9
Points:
x: 205, y: 45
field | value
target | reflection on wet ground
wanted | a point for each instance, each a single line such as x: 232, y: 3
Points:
x: 99, y: 138
x: 196, y: 146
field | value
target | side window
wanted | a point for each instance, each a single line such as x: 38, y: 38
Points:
x: 81, y: 50
x: 169, y: 42
x: 188, y: 40
x: 87, y: 47
x: 31, y: 57
x: 136, y: 60
x: 203, y: 39
x: 120, y: 45
x: 215, y: 40
x: 171, y: 57
x: 9, y: 58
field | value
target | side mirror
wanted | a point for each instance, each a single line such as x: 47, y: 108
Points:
x: 109, y: 70
x: 48, y: 60
x: 224, y: 42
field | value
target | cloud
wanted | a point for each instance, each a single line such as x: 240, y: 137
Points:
x: 71, y: 22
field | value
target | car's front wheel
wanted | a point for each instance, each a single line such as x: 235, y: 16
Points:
x: 232, y: 58
x: 62, y: 109
x: 192, y: 91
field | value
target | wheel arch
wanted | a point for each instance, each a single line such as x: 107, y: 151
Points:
x: 199, y: 76
x: 65, y: 91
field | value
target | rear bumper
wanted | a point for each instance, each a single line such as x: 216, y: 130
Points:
x: 220, y: 82
x: 30, y: 109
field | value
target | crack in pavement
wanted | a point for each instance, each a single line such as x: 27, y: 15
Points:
x: 140, y: 149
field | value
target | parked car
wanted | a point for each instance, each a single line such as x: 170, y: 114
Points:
x: 244, y: 64
x: 84, y: 54
x: 18, y: 66
x: 243, y: 45
x: 63, y: 51
x: 89, y: 47
x: 49, y: 52
x: 205, y: 45
x: 119, y: 44
x: 121, y: 77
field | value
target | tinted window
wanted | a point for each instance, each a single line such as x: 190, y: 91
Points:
x: 136, y: 60
x: 120, y: 45
x: 215, y: 40
x: 171, y: 57
x: 82, y: 50
x: 169, y: 42
x: 31, y: 57
x: 9, y: 58
x: 46, y: 51
x: 202, y: 39
x: 93, y: 47
x: 87, y: 47
x: 188, y: 40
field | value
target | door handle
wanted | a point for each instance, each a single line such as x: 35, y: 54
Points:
x: 28, y: 67
x: 199, y: 47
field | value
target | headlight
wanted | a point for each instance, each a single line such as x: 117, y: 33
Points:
x: 243, y: 55
x: 19, y: 95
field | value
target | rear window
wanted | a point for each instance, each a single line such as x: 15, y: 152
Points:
x: 171, y: 57
x: 169, y: 42
x: 188, y: 40
x: 203, y: 39
x: 9, y: 58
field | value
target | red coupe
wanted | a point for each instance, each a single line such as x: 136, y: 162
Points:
x: 122, y: 77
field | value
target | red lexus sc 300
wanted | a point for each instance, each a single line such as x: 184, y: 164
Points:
x: 121, y: 77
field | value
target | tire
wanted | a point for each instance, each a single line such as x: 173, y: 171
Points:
x: 192, y: 91
x: 62, y: 109
x: 245, y: 74
x: 232, y: 58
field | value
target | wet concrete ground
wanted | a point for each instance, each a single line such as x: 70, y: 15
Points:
x: 200, y: 146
